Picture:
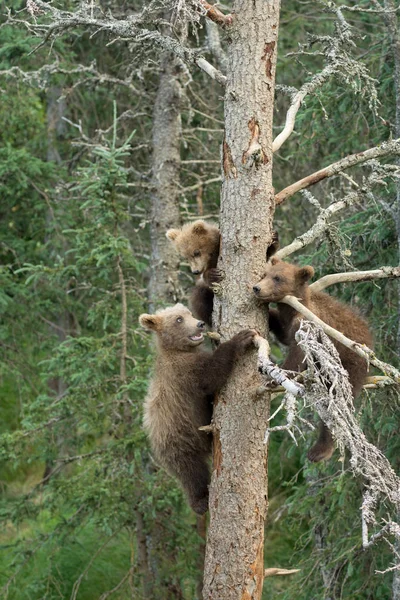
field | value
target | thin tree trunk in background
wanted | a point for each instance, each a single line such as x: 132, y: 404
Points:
x: 63, y: 323
x: 164, y: 285
x: 238, y: 496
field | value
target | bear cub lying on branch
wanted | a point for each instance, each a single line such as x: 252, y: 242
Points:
x: 283, y: 279
x: 180, y: 397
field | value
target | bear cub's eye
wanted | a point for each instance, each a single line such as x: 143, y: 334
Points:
x: 276, y: 278
x: 179, y: 319
x: 196, y: 253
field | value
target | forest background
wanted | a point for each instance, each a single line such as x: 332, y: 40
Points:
x: 84, y: 511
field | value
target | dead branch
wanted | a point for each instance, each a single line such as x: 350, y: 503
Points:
x: 339, y: 64
x: 374, y: 382
x: 267, y: 367
x: 382, y: 273
x: 207, y: 67
x: 276, y: 571
x: 360, y: 349
x: 385, y: 149
x: 215, y: 15
x: 131, y: 28
x: 319, y: 226
x: 330, y: 393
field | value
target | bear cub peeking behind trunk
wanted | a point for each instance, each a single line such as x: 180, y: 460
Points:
x: 180, y: 396
x: 198, y: 243
x: 282, y: 279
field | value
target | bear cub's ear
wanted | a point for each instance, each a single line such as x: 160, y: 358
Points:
x: 305, y: 273
x: 199, y: 228
x: 152, y: 322
x: 274, y: 260
x: 172, y: 234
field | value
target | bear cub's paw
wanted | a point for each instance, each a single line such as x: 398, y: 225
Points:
x: 199, y: 505
x: 213, y: 276
x: 244, y: 339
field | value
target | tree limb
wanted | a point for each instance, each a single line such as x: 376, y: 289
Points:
x: 319, y: 226
x: 382, y: 273
x: 277, y: 571
x: 385, y: 149
x: 330, y: 392
x: 267, y: 367
x: 317, y: 81
x: 216, y: 15
x: 127, y: 29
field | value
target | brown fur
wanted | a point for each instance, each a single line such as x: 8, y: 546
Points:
x: 283, y: 279
x: 180, y: 396
x: 198, y: 243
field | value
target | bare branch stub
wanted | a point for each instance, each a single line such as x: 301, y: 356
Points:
x: 215, y: 15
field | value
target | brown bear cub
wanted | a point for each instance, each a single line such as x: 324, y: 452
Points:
x: 180, y: 397
x: 198, y: 242
x: 281, y: 279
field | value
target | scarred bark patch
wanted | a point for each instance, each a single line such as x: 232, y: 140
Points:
x: 227, y: 161
x: 267, y: 56
x: 254, y: 586
x: 217, y: 453
x: 254, y: 155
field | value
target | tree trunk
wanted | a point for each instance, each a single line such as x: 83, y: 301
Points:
x: 164, y: 284
x: 163, y: 287
x: 63, y: 323
x: 238, y: 496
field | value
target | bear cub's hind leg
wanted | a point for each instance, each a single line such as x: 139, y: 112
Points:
x: 195, y: 478
x: 324, y: 446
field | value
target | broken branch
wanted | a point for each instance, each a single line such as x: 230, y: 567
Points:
x: 276, y: 571
x: 216, y: 15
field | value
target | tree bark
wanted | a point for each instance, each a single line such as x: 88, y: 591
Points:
x: 238, y: 495
x: 163, y: 287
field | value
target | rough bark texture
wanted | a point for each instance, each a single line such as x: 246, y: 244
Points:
x: 163, y: 287
x: 238, y: 496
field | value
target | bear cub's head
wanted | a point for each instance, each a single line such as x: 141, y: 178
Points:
x: 175, y: 327
x: 281, y: 279
x: 198, y: 243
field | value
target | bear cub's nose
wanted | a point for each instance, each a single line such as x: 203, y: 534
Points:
x: 200, y: 324
x: 196, y: 272
x: 256, y: 289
